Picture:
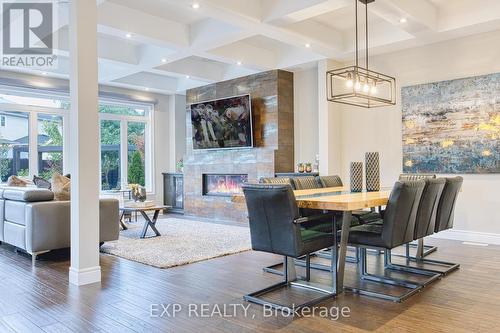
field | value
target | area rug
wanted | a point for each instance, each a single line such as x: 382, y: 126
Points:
x: 181, y: 242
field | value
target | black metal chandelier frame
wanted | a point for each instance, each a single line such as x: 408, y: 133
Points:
x: 361, y: 82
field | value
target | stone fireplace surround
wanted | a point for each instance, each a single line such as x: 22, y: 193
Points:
x: 271, y: 93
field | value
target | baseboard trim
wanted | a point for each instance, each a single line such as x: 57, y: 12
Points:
x: 80, y: 277
x: 469, y: 236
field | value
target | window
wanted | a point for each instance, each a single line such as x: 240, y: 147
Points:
x: 50, y: 145
x: 34, y: 122
x: 14, y: 145
x: 136, y: 153
x: 110, y: 155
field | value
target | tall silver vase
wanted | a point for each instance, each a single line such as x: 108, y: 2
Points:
x: 372, y: 170
x: 356, y: 173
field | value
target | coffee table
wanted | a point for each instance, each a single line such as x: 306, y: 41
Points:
x: 148, y: 222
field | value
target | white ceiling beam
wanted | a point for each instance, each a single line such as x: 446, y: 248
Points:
x: 119, y: 20
x: 285, y: 12
x: 420, y: 15
x: 253, y: 57
x: 150, y: 81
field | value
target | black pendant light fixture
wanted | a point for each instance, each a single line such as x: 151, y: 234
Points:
x: 360, y: 86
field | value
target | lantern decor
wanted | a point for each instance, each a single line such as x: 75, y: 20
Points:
x: 356, y: 173
x: 372, y: 170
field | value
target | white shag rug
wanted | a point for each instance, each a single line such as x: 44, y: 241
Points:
x: 181, y: 242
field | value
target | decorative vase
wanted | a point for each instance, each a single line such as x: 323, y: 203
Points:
x: 309, y: 168
x: 356, y: 172
x: 372, y: 170
x: 300, y: 167
x: 138, y: 193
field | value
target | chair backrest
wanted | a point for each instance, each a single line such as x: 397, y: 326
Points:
x: 329, y: 181
x: 427, y: 208
x: 271, y: 212
x: 401, y: 212
x: 415, y: 176
x: 305, y: 183
x: 446, y: 208
x: 276, y: 180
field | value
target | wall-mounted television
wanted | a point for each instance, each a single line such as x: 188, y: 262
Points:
x: 223, y: 123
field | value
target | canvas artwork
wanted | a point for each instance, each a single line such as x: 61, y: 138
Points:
x: 452, y: 126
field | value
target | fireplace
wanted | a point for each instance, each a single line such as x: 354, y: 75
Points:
x: 223, y: 184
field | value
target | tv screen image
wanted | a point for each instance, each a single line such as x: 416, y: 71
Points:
x: 222, y: 123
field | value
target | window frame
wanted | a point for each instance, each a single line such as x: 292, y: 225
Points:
x: 34, y: 111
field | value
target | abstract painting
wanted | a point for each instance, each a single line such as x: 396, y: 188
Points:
x: 452, y: 126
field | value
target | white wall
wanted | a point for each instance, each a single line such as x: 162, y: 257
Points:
x: 380, y: 130
x: 305, y: 93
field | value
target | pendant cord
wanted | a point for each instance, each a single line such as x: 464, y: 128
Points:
x: 356, y: 15
x: 366, y: 31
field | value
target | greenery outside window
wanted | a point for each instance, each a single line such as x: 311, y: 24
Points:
x: 50, y: 145
x: 14, y: 145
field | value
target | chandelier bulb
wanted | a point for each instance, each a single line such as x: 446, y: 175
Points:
x: 357, y: 86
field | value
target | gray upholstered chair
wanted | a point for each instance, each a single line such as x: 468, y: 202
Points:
x: 415, y: 176
x: 276, y: 180
x: 397, y: 229
x: 424, y: 224
x: 275, y: 228
x: 329, y: 181
x: 305, y: 183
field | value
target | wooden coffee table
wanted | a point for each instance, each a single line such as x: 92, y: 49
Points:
x: 147, y: 221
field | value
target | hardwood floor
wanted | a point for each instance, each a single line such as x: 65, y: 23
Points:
x: 39, y: 299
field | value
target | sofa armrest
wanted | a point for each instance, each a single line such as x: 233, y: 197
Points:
x: 47, y: 225
x: 109, y: 219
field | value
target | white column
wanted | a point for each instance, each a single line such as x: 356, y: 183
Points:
x: 329, y: 127
x: 84, y: 144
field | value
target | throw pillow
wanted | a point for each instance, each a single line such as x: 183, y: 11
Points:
x: 41, y: 182
x: 16, y: 181
x: 61, y: 186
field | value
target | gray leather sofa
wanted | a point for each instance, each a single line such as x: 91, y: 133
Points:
x: 32, y: 221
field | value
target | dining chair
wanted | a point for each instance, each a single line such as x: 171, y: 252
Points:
x: 305, y: 183
x: 329, y: 181
x: 425, y: 222
x: 275, y: 228
x: 422, y: 249
x: 397, y: 229
x: 276, y: 180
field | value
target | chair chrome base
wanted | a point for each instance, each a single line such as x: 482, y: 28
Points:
x: 325, y: 254
x: 419, y: 258
x: 255, y: 297
x: 413, y: 287
x: 424, y: 250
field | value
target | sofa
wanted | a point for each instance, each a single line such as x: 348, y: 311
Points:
x: 31, y: 220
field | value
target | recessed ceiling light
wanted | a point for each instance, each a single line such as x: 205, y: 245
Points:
x: 147, y: 89
x: 195, y: 5
x: 307, y: 45
x: 238, y: 63
x: 44, y: 73
x: 163, y: 60
x: 128, y: 35
x: 187, y: 76
x: 403, y: 20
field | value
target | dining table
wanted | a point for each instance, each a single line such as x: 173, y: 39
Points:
x: 344, y: 202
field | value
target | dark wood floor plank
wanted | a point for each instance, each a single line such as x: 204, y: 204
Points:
x: 41, y: 299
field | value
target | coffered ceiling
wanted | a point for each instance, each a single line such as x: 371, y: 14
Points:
x: 168, y: 46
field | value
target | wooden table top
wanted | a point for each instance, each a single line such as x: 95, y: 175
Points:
x: 138, y: 209
x: 336, y: 198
